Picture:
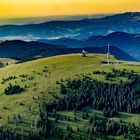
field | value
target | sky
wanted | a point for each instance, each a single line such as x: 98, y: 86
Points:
x: 40, y: 8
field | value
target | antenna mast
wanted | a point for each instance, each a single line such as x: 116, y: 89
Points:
x: 108, y: 54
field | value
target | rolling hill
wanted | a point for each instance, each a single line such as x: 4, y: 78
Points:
x: 24, y: 51
x: 26, y: 105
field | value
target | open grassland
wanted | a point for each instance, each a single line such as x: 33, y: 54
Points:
x: 39, y: 79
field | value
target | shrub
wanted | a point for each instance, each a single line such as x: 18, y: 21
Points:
x: 13, y: 89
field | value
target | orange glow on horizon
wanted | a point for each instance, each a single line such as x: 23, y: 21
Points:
x: 36, y: 8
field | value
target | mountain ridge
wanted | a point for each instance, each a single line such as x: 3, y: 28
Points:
x: 24, y: 51
x: 130, y: 43
x: 126, y: 22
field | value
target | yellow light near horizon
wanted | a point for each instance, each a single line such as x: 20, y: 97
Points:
x: 29, y: 8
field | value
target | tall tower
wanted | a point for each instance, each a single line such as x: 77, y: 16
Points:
x: 108, y: 54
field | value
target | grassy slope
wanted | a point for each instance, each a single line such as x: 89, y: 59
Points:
x: 7, y: 61
x: 59, y: 67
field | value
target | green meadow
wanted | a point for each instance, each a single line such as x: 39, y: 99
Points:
x: 39, y: 78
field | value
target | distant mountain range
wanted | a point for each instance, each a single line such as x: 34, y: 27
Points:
x: 61, y: 37
x: 127, y: 22
x: 37, y: 20
x: 24, y: 51
x: 130, y: 43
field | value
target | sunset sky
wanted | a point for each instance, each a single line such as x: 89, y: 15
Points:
x: 36, y: 8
